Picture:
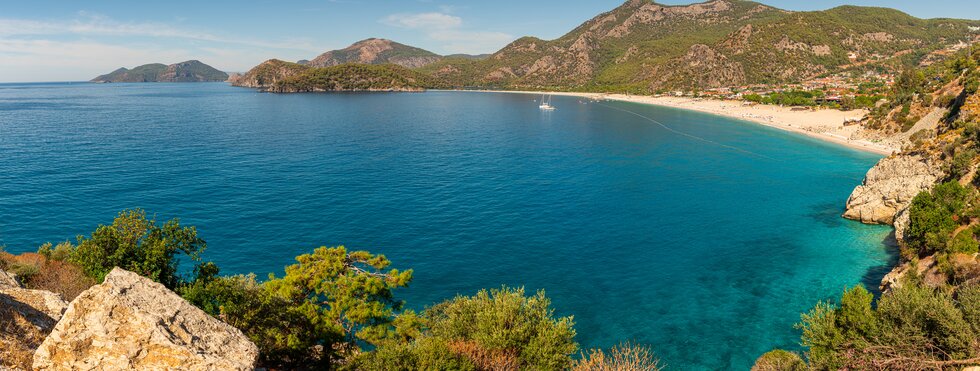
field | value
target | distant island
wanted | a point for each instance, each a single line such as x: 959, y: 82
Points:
x: 189, y: 71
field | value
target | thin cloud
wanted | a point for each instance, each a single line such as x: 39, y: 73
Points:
x: 448, y: 29
x: 91, y: 24
x: 423, y: 21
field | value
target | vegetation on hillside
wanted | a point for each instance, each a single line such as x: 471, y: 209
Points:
x: 930, y: 317
x: 641, y: 47
x: 333, y: 309
x: 189, y: 71
x: 353, y: 77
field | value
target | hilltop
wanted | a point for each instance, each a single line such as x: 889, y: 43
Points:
x: 377, y: 51
x: 188, y: 71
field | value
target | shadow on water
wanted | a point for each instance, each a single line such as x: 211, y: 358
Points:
x: 872, y: 278
x: 828, y: 214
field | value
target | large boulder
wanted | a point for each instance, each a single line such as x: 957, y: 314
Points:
x: 26, y: 318
x: 889, y: 188
x: 130, y: 322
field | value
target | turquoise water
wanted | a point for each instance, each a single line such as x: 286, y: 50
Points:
x: 704, y: 237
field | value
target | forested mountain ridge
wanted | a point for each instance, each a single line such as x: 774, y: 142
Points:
x: 187, y: 71
x: 644, y: 46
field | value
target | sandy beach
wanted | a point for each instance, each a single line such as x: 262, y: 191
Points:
x: 823, y: 124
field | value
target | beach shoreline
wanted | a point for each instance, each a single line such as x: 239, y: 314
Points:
x: 823, y: 124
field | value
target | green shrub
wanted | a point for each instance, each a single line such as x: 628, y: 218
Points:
x: 968, y: 296
x: 912, y: 327
x: 496, y: 329
x: 135, y: 243
x: 933, y: 216
x: 61, y: 252
x: 965, y: 242
x: 24, y: 270
x: 962, y: 162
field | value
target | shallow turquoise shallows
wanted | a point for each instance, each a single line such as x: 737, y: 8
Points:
x: 702, y: 236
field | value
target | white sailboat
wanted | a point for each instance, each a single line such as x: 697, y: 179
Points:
x: 546, y: 103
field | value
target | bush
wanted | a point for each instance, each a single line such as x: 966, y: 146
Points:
x: 37, y: 272
x: 913, y: 327
x: 138, y: 244
x: 623, y: 357
x: 962, y: 162
x: 496, y: 329
x: 965, y: 242
x: 320, y: 313
x: 933, y: 216
x: 779, y: 360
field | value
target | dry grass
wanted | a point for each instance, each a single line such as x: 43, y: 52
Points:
x: 39, y: 273
x: 18, y: 336
x: 623, y: 357
x: 486, y: 359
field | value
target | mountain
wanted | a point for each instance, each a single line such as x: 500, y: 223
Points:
x: 644, y: 46
x: 189, y: 71
x: 285, y: 77
x: 377, y: 51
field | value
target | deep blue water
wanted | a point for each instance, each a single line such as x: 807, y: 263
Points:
x: 705, y: 238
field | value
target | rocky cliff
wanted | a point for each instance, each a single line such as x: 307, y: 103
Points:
x: 890, y: 186
x: 130, y: 322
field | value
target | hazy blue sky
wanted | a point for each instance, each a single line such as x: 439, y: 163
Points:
x: 47, y: 40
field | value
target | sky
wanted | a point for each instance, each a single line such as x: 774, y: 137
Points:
x: 71, y: 40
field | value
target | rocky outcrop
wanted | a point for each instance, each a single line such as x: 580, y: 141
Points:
x: 130, y: 322
x: 8, y: 280
x: 26, y: 317
x: 268, y: 73
x: 889, y: 187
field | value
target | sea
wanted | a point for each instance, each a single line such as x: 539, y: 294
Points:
x: 702, y: 236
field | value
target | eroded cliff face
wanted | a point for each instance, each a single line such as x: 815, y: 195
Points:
x: 889, y: 188
x: 131, y: 322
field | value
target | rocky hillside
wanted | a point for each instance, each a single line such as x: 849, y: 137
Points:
x: 376, y: 51
x: 189, y: 71
x: 644, y: 46
x: 268, y: 74
x: 900, y: 189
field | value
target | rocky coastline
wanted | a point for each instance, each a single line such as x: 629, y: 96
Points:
x: 884, y: 197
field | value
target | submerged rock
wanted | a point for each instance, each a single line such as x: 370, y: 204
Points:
x: 131, y: 322
x: 889, y: 187
x: 26, y: 318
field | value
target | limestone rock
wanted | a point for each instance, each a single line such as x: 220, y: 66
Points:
x: 8, y: 280
x: 130, y: 322
x: 926, y: 267
x: 26, y: 318
x: 889, y: 187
